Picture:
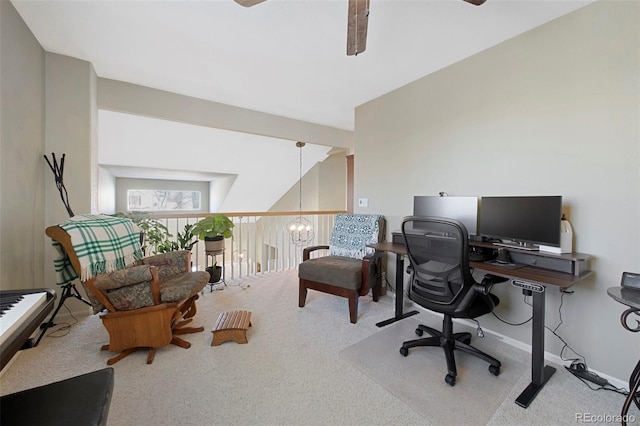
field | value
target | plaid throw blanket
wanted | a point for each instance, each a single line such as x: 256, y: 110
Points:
x: 102, y: 244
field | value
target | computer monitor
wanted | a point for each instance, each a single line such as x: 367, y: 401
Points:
x: 464, y: 209
x: 522, y: 222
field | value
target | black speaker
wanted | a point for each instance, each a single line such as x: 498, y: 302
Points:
x: 630, y: 280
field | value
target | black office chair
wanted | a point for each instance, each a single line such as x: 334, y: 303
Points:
x: 441, y: 281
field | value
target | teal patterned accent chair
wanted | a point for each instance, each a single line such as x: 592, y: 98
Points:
x: 351, y: 268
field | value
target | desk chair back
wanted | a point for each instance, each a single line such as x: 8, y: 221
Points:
x: 441, y: 279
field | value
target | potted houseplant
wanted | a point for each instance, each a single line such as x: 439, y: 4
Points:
x: 185, y: 241
x: 213, y: 230
x: 186, y: 238
x: 215, y: 272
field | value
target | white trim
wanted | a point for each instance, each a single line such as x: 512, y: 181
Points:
x: 618, y: 383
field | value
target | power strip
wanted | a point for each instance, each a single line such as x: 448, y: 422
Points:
x: 589, y: 376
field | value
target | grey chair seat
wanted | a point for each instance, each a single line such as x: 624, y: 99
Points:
x: 340, y: 271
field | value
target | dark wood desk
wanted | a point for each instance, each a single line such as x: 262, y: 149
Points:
x: 534, y: 278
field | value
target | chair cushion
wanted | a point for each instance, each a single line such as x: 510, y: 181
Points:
x: 134, y: 296
x: 352, y: 232
x: 169, y: 263
x: 126, y: 289
x: 181, y: 286
x: 338, y: 271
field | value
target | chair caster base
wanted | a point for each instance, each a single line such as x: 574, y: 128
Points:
x: 404, y: 351
x: 450, y: 379
x: 495, y: 370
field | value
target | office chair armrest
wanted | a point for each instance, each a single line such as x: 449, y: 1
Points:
x: 487, y: 283
x: 307, y: 251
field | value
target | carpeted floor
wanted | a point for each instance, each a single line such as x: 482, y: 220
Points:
x: 418, y: 379
x: 292, y: 373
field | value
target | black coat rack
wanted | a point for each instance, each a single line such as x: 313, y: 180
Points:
x: 69, y: 289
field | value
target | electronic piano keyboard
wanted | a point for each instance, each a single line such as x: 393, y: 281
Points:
x: 25, y: 311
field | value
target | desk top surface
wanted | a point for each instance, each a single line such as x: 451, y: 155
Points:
x: 626, y: 296
x: 528, y: 273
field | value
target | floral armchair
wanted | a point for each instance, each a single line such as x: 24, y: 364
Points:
x: 145, y: 305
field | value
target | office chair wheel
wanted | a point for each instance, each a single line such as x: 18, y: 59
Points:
x: 451, y: 380
x: 495, y: 370
x: 404, y: 351
x: 419, y: 332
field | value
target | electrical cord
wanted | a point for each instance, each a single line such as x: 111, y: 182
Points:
x: 512, y: 323
x: 578, y: 366
x: 65, y: 326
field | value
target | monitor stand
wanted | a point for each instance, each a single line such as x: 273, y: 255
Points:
x: 518, y: 245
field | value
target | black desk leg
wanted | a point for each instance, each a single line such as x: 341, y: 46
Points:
x: 540, y: 373
x: 399, y: 294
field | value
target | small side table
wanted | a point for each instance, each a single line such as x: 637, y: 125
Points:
x: 630, y: 298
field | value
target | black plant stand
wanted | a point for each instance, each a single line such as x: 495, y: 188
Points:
x: 213, y: 254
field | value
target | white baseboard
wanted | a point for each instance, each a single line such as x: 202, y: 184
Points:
x: 618, y: 383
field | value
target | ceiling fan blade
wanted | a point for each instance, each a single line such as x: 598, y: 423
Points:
x: 248, y: 3
x: 474, y: 2
x: 357, y: 21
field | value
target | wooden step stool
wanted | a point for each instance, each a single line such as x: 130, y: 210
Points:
x: 231, y: 326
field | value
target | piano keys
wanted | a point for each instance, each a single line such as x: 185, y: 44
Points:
x: 21, y: 318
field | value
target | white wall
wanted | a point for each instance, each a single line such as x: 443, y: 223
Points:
x: 106, y: 192
x: 553, y: 111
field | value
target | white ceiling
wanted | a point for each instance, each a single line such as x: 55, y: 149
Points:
x: 284, y: 57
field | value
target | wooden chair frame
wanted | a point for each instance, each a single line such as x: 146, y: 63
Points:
x: 151, y: 327
x: 370, y: 272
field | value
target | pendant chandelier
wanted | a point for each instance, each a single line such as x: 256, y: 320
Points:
x: 300, y: 229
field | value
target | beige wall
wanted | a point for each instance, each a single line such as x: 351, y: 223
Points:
x: 323, y: 188
x: 22, y: 167
x: 554, y: 111
x: 332, y: 182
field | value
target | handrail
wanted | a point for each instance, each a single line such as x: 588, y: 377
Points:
x: 244, y: 214
x: 260, y: 241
